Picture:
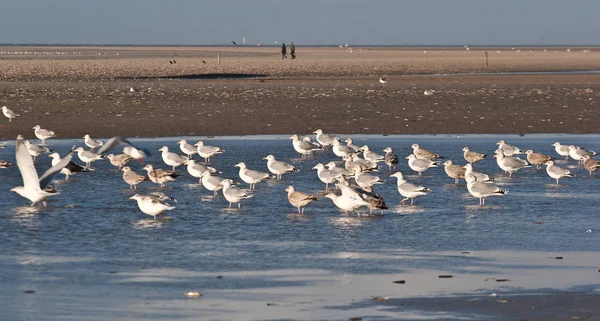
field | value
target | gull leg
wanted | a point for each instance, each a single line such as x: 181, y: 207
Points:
x: 239, y: 204
x: 299, y: 212
x: 412, y: 201
x: 456, y: 181
x: 404, y: 200
x: 557, y: 181
x: 229, y: 204
x: 326, y: 186
x: 215, y: 193
x: 420, y: 173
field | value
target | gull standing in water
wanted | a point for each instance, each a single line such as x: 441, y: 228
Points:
x: 562, y: 150
x: 151, y: 205
x: 251, y: 176
x: 350, y: 144
x: 299, y: 200
x: 352, y: 163
x: 119, y: 160
x: 130, y: 149
x: 160, y: 176
x: 233, y: 194
x: 420, y: 165
x: 509, y: 164
x: 324, y: 139
x: 43, y: 134
x: 278, y: 167
x: 374, y: 201
x: 507, y: 149
x: 196, y: 169
x: 92, y: 143
x: 391, y: 160
x: 590, y: 164
x: 87, y: 156
x: 371, y: 156
x: 577, y: 153
x: 341, y: 150
x: 350, y: 200
x: 132, y: 178
x: 365, y: 180
x: 207, y: 152
x: 33, y: 187
x: 537, y: 159
x: 172, y: 159
x: 338, y: 170
x: 305, y: 148
x: 421, y: 153
x: 187, y: 148
x: 69, y: 169
x: 557, y: 172
x: 9, y: 113
x: 408, y: 190
x: 454, y: 171
x: 35, y: 150
x: 212, y: 183
x: 482, y: 190
x: 383, y: 81
x: 325, y: 175
x: 481, y: 177
x: 472, y: 157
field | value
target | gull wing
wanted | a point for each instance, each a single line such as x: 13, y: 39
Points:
x: 116, y: 141
x: 25, y: 165
x: 49, y: 174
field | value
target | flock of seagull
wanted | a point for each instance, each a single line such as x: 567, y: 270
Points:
x: 354, y: 182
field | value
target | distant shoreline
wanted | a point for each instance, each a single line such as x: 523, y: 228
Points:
x: 410, y: 47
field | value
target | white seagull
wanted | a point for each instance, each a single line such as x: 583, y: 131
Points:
x: 326, y: 176
x: 305, y: 148
x: 278, y: 167
x: 43, y: 134
x: 87, y: 156
x: 151, y: 205
x: 562, y: 150
x: 212, y: 183
x: 92, y: 143
x: 206, y: 151
x: 196, y: 169
x: 233, y: 194
x: 507, y: 149
x: 324, y: 139
x: 557, y: 172
x: 9, y: 113
x: 69, y: 169
x: 482, y: 190
x: 420, y: 165
x: 172, y: 159
x: 509, y: 164
x: 187, y: 148
x: 408, y: 190
x: 349, y: 200
x: 251, y: 176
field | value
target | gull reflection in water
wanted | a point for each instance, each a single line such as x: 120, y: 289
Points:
x: 148, y: 223
x: 25, y: 214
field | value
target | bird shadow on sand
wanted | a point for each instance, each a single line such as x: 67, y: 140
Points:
x: 202, y: 76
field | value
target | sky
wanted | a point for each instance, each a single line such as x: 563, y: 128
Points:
x: 306, y: 22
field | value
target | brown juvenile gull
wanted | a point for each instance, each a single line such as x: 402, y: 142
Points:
x: 454, y: 171
x: 160, y: 176
x: 119, y: 160
x: 299, y: 199
x: 537, y: 159
x: 132, y: 178
x: 473, y: 157
x: 43, y: 134
x: 424, y: 153
x: 590, y: 164
x: 557, y: 172
x: 391, y: 160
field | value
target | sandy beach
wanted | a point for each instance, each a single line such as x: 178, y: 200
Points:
x: 74, y: 90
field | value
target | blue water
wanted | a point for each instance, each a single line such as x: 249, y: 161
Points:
x: 91, y: 233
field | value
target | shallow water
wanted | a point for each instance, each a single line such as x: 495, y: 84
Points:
x: 91, y: 254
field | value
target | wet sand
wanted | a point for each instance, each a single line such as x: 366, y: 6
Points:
x: 76, y: 90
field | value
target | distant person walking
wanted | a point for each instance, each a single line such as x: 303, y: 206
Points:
x: 292, y: 50
x: 283, y: 51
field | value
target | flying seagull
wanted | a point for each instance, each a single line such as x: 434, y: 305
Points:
x: 118, y: 140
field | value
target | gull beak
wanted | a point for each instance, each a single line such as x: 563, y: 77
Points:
x: 264, y: 158
x: 131, y: 197
x: 314, y: 167
x: 495, y: 155
x: 315, y: 132
x: 407, y: 157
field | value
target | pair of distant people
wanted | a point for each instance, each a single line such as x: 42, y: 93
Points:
x: 284, y: 51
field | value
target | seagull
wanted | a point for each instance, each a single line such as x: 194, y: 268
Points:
x: 6, y: 164
x: 69, y: 169
x: 420, y: 165
x: 131, y: 90
x: 130, y: 149
x: 429, y: 92
x: 391, y: 160
x: 338, y: 170
x: 119, y: 160
x: 472, y: 157
x: 354, y: 162
x: 326, y: 176
x: 212, y: 183
x: 509, y: 164
x: 349, y: 200
x: 92, y: 143
x: 278, y: 167
x: 132, y: 178
x: 507, y: 149
x: 162, y: 196
x: 557, y: 172
x: 33, y: 187
x: 374, y: 201
x: 305, y: 148
x: 43, y: 134
x: 371, y: 156
x: 160, y: 176
x: 151, y: 205
x: 35, y: 150
x: 186, y: 148
x: 207, y: 151
x: 590, y: 164
x: 9, y: 113
x: 350, y: 144
x: 408, y: 190
x: 482, y: 190
x: 251, y: 176
x: 577, y: 153
x: 324, y: 139
x: 366, y: 180
x: 172, y: 159
x: 537, y: 159
x: 299, y: 200
x: 196, y: 169
x: 481, y: 177
x: 424, y: 153
x: 87, y: 156
x: 562, y: 150
x: 233, y: 194
x: 341, y: 150
x: 383, y: 81
x: 454, y: 171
